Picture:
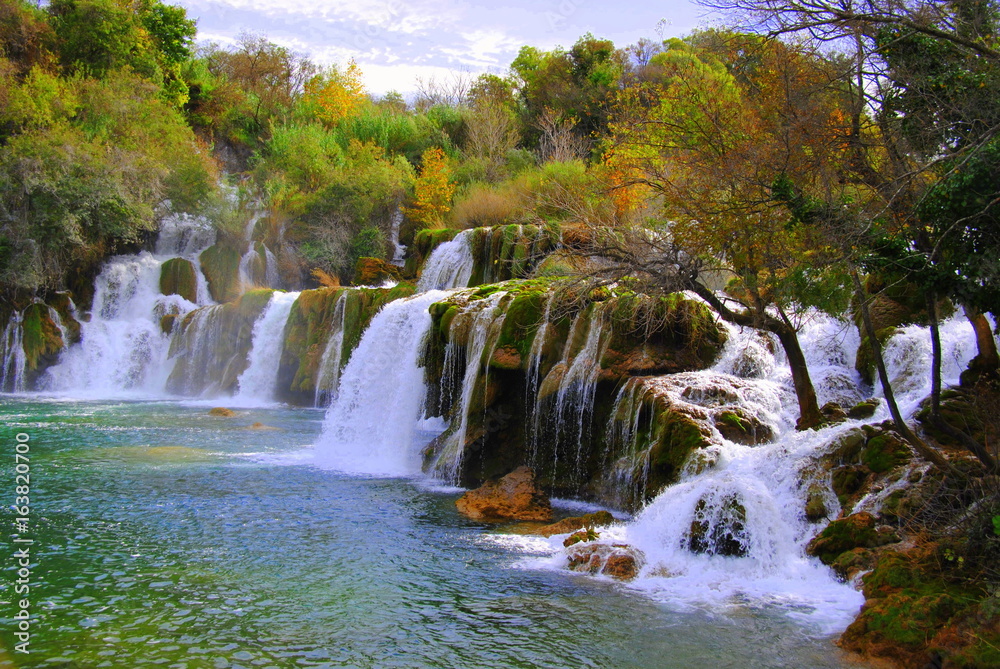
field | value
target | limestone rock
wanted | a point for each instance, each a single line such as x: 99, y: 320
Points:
x: 619, y: 561
x: 515, y: 496
x: 222, y: 412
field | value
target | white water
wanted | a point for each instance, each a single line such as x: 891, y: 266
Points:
x: 12, y: 356
x: 450, y: 265
x: 769, y: 481
x: 256, y: 385
x: 370, y: 428
x: 122, y: 350
x: 328, y: 374
x: 484, y: 328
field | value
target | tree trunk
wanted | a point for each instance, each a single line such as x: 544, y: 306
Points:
x: 809, y: 413
x: 932, y: 313
x: 987, y: 362
x: 902, y: 428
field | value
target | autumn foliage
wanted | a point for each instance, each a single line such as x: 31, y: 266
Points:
x: 433, y: 190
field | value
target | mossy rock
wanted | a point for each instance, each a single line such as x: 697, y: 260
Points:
x: 424, y: 243
x: 864, y: 409
x: 167, y: 322
x: 675, y: 436
x: 741, y: 427
x: 203, y: 369
x: 847, y: 480
x: 815, y: 508
x: 848, y: 446
x: 40, y: 336
x: 177, y: 277
x: 221, y: 267
x: 374, y: 272
x: 884, y: 452
x: 844, y: 534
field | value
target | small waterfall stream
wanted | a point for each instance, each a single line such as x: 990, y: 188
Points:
x: 257, y: 382
x: 370, y: 427
x: 450, y: 265
x: 13, y: 357
x: 328, y: 374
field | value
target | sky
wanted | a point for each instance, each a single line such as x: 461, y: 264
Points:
x: 396, y: 42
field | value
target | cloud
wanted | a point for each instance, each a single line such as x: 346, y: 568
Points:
x: 392, y: 40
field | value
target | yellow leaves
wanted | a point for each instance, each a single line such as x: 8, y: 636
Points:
x: 433, y: 190
x: 337, y: 95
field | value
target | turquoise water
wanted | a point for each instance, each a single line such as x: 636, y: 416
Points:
x: 165, y: 537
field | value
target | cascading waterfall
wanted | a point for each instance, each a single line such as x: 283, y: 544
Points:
x: 123, y: 348
x: 370, y: 427
x: 328, y: 374
x: 257, y: 382
x: 450, y: 265
x: 484, y: 322
x: 563, y: 405
x: 733, y: 526
x: 14, y: 359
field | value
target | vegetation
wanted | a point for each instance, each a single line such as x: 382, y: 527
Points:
x: 820, y: 156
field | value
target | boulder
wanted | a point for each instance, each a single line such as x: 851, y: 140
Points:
x: 222, y: 412
x: 515, y: 496
x: 619, y: 561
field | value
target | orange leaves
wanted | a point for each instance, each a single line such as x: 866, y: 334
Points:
x: 433, y: 190
x: 337, y: 95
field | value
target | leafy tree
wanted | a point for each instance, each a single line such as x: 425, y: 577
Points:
x: 433, y: 190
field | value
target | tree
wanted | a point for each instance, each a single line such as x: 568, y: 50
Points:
x: 710, y: 139
x: 336, y: 94
x: 433, y: 190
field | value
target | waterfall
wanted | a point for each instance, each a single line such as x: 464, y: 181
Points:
x: 328, y: 374
x: 484, y: 322
x: 14, y: 359
x: 370, y: 427
x: 564, y: 402
x: 257, y: 382
x: 733, y: 527
x: 450, y: 265
x: 399, y: 251
x: 123, y: 348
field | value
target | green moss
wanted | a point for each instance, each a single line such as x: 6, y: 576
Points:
x: 864, y: 363
x: 40, y: 336
x: 177, y: 277
x: 424, y: 243
x: 844, y: 534
x: 885, y: 452
x: 221, y: 266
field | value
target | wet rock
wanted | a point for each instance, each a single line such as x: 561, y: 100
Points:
x: 833, y: 412
x: 619, y: 561
x: 816, y: 504
x: 884, y: 452
x: 848, y: 480
x: 741, y: 427
x: 589, y: 520
x: 588, y: 534
x: 865, y: 409
x: 515, y: 496
x: 177, y: 277
x: 847, y: 447
x: 261, y: 426
x: 844, y: 534
x: 719, y: 529
x: 222, y: 412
